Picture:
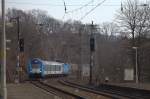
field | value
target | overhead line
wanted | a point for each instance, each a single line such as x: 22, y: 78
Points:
x: 92, y: 9
x: 81, y: 7
x: 46, y: 4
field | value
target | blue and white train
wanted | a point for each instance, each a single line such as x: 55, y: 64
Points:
x: 42, y: 68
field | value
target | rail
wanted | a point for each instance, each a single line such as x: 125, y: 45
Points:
x: 114, y: 91
x: 90, y: 90
x: 48, y: 88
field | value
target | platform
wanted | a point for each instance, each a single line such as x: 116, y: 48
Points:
x: 27, y: 91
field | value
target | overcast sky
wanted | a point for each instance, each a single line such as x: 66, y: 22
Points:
x: 55, y: 8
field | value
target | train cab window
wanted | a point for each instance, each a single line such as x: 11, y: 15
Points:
x: 35, y: 66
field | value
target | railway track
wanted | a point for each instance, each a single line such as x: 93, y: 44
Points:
x: 70, y: 90
x: 129, y: 92
x: 74, y: 93
x: 61, y: 94
x: 116, y: 92
x: 78, y: 91
x: 39, y: 85
x: 112, y: 96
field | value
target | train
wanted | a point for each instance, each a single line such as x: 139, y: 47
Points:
x: 42, y: 68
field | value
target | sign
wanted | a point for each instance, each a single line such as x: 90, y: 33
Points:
x: 129, y: 74
x: 86, y: 70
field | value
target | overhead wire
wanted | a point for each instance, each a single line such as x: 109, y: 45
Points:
x: 71, y: 11
x: 48, y: 4
x: 92, y: 10
x: 74, y: 10
x: 81, y: 7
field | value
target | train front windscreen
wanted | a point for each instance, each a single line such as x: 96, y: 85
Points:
x: 35, y: 68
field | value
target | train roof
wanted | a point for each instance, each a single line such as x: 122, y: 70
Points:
x: 52, y: 63
x: 37, y: 60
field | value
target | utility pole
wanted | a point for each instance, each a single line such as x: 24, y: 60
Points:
x: 80, y: 49
x: 3, y: 66
x: 20, y: 48
x: 92, y: 50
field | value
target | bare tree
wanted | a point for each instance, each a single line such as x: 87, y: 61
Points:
x: 134, y: 17
x: 109, y: 29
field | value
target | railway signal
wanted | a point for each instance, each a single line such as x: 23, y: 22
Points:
x: 92, y: 44
x: 20, y: 50
x: 92, y: 49
x: 21, y: 45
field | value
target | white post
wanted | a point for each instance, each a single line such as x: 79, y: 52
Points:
x: 136, y: 65
x: 3, y: 68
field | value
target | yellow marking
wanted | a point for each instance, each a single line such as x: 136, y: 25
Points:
x: 2, y: 53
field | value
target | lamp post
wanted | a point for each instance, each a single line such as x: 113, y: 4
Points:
x: 136, y: 65
x: 3, y: 67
